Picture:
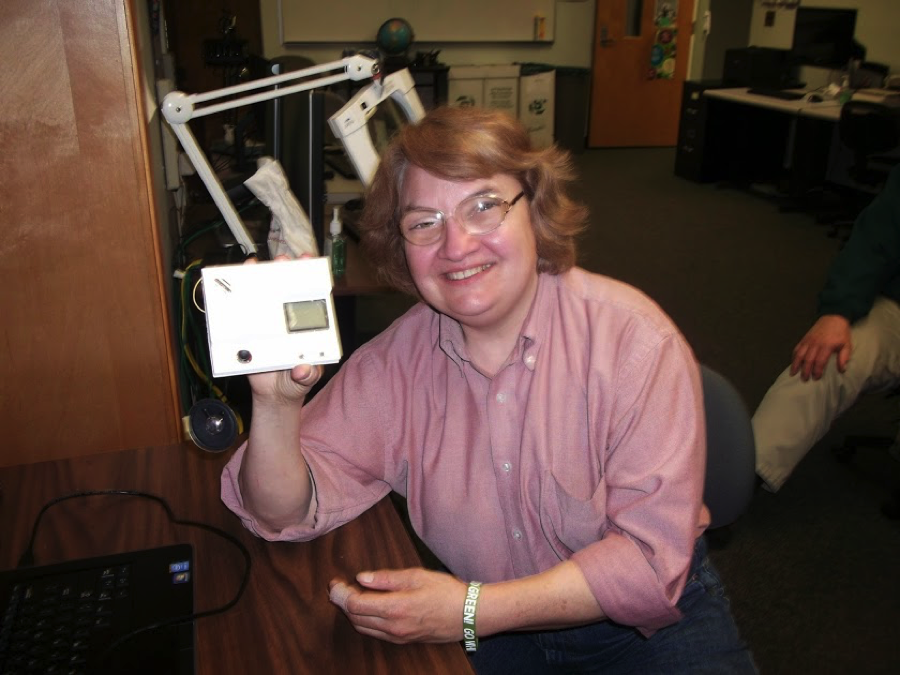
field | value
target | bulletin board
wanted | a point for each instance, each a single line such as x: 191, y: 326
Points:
x: 354, y: 21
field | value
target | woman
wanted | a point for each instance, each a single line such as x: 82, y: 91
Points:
x: 544, y: 424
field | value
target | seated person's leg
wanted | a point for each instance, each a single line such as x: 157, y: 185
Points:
x: 795, y: 414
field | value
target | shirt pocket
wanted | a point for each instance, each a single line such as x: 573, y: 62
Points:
x: 570, y: 523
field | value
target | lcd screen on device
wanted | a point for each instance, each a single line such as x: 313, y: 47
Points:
x: 306, y: 315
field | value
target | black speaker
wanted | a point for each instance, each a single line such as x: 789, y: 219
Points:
x: 212, y: 425
x: 758, y: 67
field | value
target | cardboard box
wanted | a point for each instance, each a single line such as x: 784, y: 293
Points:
x: 465, y: 93
x: 495, y: 86
x: 537, y: 106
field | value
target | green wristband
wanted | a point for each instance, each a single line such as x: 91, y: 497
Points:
x: 470, y: 636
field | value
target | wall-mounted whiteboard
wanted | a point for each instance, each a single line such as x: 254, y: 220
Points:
x: 355, y: 21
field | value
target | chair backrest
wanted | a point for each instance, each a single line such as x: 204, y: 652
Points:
x: 867, y: 129
x: 730, y: 450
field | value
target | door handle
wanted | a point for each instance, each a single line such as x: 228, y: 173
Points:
x: 605, y: 40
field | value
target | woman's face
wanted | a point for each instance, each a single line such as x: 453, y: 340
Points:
x: 483, y: 281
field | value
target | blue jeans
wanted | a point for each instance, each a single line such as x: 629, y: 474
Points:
x: 705, y: 640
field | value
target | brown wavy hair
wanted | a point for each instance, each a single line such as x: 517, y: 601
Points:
x: 463, y: 144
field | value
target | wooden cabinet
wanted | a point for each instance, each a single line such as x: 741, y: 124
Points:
x: 87, y: 351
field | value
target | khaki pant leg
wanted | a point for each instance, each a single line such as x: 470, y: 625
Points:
x: 795, y: 414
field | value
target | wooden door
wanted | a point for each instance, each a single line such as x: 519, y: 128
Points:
x: 635, y: 101
x: 88, y: 363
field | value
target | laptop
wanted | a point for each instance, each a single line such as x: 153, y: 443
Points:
x: 86, y: 616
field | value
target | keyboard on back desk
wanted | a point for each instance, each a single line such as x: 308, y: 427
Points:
x: 783, y: 94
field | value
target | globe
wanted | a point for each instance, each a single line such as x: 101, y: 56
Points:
x: 395, y: 36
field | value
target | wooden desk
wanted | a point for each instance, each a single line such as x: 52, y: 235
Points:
x: 284, y: 623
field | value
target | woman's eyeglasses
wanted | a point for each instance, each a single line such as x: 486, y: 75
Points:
x: 478, y: 215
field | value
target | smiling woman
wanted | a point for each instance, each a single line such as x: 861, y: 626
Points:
x: 560, y: 411
x: 485, y: 280
x: 463, y: 145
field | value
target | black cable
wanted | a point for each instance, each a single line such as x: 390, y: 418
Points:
x: 27, y: 559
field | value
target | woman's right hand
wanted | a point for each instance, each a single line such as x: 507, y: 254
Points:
x: 284, y: 387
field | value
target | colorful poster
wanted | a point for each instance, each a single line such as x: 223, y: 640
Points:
x: 662, y: 54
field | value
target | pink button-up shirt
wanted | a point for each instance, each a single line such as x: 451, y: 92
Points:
x: 588, y: 444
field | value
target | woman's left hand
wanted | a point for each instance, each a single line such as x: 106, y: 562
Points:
x: 403, y: 606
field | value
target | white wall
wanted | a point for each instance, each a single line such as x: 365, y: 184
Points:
x: 877, y: 22
x: 779, y: 35
x: 573, y: 45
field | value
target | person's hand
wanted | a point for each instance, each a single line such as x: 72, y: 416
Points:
x: 829, y: 335
x: 284, y: 387
x: 403, y: 606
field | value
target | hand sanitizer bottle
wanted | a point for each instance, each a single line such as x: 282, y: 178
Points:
x: 336, y: 245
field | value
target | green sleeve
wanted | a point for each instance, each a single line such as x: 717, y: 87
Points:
x: 869, y: 263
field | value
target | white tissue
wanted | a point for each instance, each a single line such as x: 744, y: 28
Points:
x: 290, y: 232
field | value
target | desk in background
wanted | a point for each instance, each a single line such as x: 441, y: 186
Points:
x: 729, y: 134
x: 284, y: 623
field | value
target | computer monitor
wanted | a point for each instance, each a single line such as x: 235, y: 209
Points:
x: 250, y: 125
x: 823, y: 37
x: 295, y: 136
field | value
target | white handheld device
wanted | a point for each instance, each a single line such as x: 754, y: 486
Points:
x: 270, y: 316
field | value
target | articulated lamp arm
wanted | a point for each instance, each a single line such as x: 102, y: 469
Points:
x: 179, y: 108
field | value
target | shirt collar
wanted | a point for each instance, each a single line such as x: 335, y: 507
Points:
x: 450, y: 338
x: 534, y: 329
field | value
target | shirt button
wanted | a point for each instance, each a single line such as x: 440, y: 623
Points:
x: 517, y: 534
x: 529, y: 360
x: 501, y: 397
x: 507, y: 467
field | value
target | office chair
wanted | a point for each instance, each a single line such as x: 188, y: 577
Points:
x: 730, y: 450
x: 868, y: 130
x: 852, y: 443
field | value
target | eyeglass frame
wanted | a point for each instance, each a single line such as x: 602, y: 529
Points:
x: 443, y: 216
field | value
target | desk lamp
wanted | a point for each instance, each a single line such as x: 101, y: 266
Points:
x: 212, y: 425
x: 349, y: 124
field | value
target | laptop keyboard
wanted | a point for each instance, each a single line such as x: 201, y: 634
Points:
x: 63, y: 618
x: 50, y: 623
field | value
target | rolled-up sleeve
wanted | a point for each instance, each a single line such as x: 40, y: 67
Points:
x: 234, y: 500
x: 654, y: 471
x: 343, y: 443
